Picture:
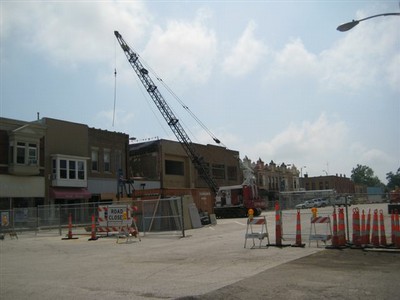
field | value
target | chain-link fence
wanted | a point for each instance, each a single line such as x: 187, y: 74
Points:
x: 161, y: 215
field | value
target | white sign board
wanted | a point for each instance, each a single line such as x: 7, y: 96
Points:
x: 114, y: 215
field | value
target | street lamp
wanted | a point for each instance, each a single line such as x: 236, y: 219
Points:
x: 350, y: 25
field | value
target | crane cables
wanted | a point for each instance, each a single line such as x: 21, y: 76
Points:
x: 216, y: 140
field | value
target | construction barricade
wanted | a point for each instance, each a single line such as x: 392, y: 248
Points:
x: 256, y: 229
x: 118, y: 220
x: 318, y: 236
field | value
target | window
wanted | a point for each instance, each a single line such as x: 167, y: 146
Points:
x: 72, y: 169
x: 24, y: 153
x: 173, y: 167
x: 20, y: 153
x: 95, y: 159
x: 32, y: 154
x: 218, y: 171
x: 63, y: 168
x: 81, y: 170
x: 69, y: 171
x: 107, y: 165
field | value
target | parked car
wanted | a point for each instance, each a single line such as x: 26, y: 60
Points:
x: 319, y: 202
x: 306, y: 204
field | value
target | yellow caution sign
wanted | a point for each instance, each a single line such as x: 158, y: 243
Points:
x: 4, y: 219
x: 250, y: 213
x: 314, y: 212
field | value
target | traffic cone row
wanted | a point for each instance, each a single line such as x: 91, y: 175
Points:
x: 362, y: 235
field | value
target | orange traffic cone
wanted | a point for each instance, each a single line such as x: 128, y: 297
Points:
x: 397, y: 235
x: 363, y: 229
x: 368, y: 228
x: 356, y: 227
x: 375, y: 233
x: 382, y: 229
x: 69, y: 236
x: 93, y: 236
x: 335, y: 239
x: 298, y: 231
x: 341, y: 229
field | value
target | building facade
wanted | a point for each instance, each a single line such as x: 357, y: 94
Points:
x: 273, y: 178
x: 340, y: 183
x: 22, y: 163
x: 52, y: 161
x: 165, y: 164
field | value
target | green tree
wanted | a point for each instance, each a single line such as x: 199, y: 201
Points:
x: 365, y: 175
x: 393, y: 179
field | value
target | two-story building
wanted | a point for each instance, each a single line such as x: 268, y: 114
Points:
x: 340, y: 183
x: 162, y: 167
x: 22, y: 167
x: 50, y: 161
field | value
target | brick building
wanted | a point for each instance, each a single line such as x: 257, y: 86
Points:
x: 163, y: 167
x: 340, y: 183
x: 50, y: 161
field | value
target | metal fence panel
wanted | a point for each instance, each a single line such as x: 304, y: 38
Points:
x: 161, y: 215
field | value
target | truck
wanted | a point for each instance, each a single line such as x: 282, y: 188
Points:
x: 242, y: 197
x: 342, y: 201
x: 235, y: 201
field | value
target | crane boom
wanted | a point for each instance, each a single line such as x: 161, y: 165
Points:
x: 167, y: 113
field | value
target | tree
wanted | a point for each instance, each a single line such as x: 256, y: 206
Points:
x: 393, y: 179
x: 365, y: 175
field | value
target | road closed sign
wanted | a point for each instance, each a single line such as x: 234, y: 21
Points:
x: 114, y: 215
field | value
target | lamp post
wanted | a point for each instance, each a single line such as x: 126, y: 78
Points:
x: 349, y: 25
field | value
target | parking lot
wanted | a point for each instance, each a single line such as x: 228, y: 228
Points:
x: 208, y: 263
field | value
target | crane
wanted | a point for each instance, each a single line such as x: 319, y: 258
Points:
x: 167, y: 113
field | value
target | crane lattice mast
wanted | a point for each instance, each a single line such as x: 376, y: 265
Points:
x: 167, y: 113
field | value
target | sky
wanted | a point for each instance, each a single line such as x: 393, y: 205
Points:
x: 273, y: 80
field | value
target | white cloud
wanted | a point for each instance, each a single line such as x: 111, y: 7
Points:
x: 246, y: 54
x: 183, y: 50
x: 294, y: 61
x: 309, y: 140
x: 362, y: 58
x: 68, y: 33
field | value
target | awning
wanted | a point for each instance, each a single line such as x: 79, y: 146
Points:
x: 69, y: 193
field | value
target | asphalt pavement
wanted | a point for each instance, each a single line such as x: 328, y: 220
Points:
x: 208, y: 263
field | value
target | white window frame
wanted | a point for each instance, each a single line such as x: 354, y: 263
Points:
x: 75, y: 171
